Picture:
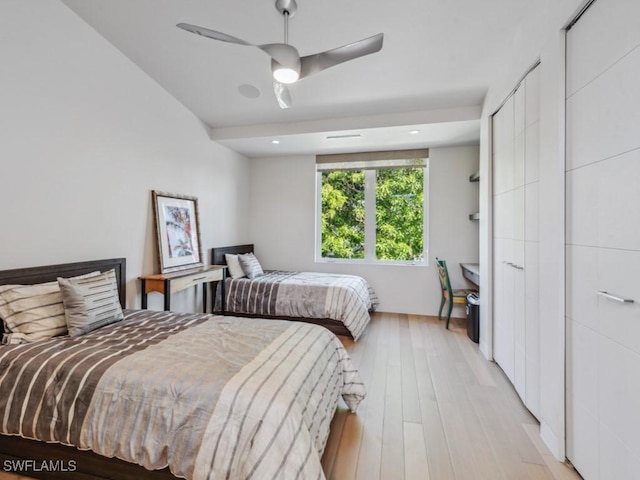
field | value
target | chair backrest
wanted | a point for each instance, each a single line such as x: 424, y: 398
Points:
x: 443, y: 273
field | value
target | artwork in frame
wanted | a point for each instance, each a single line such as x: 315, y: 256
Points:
x: 177, y: 231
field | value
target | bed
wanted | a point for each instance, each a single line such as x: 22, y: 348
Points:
x: 167, y: 395
x: 341, y: 303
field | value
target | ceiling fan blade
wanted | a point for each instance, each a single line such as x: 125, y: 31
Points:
x: 206, y: 32
x: 311, y: 64
x: 282, y: 95
x: 280, y: 52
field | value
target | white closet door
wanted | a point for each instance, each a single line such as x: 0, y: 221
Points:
x: 517, y: 259
x: 519, y: 329
x: 515, y: 154
x: 503, y: 245
x: 603, y: 241
x: 531, y: 304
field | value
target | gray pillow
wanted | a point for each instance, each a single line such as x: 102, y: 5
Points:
x: 250, y: 265
x: 90, y: 303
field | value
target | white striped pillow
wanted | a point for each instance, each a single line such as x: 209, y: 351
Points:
x: 33, y: 312
x: 250, y: 265
x: 90, y: 303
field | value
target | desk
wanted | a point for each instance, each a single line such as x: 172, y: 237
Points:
x: 471, y: 271
x: 168, y: 283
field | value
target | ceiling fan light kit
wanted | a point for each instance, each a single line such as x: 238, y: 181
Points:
x: 285, y: 75
x: 285, y: 62
x: 287, y: 66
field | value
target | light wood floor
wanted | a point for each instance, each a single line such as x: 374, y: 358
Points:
x: 435, y: 410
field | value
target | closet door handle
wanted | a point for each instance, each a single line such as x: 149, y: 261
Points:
x: 615, y: 297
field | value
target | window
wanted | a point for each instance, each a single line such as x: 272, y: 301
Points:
x: 372, y: 207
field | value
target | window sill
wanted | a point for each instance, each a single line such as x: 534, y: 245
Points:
x: 375, y: 263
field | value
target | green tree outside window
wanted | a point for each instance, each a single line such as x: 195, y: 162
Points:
x: 399, y: 214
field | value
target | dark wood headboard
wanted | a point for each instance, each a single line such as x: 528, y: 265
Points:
x: 217, y: 254
x: 89, y: 465
x: 49, y: 273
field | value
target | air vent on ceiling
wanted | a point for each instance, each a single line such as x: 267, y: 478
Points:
x: 352, y: 135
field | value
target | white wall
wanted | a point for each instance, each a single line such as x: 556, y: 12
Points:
x: 282, y: 205
x: 543, y: 40
x: 85, y: 136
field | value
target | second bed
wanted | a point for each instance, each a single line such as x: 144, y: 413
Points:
x: 339, y: 302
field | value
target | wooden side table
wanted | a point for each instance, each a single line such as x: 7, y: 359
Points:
x: 168, y: 283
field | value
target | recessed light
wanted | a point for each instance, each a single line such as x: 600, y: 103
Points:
x: 275, y: 142
x: 414, y: 132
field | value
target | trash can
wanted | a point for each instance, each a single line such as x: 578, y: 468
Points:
x: 473, y: 317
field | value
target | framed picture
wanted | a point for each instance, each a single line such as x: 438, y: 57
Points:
x: 177, y: 231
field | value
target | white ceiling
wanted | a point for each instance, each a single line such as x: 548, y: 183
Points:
x: 431, y: 75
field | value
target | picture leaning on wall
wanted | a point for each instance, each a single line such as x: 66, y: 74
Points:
x: 177, y: 231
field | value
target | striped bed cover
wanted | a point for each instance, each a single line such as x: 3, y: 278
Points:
x: 345, y: 298
x: 210, y: 397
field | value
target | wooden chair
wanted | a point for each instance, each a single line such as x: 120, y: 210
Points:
x: 453, y: 296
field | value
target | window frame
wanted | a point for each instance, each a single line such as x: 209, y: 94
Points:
x: 370, y: 222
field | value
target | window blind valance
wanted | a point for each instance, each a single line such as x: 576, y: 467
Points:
x: 373, y: 160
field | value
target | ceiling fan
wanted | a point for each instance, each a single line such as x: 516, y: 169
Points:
x: 287, y: 66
